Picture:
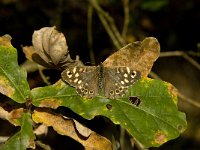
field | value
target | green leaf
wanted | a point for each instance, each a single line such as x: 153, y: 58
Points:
x: 153, y: 5
x: 22, y: 139
x: 153, y: 122
x: 13, y: 81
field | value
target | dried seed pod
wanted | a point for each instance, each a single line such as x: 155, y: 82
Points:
x: 50, y: 49
x: 50, y: 45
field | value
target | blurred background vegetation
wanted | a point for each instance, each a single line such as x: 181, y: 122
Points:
x: 174, y: 23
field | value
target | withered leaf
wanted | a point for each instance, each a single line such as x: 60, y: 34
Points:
x: 6, y: 40
x: 12, y: 116
x: 139, y: 55
x: 68, y: 127
x: 49, y: 49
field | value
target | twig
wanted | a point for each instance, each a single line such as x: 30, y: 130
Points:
x: 197, y: 54
x: 43, y: 76
x: 189, y: 100
x: 109, y: 31
x: 180, y: 95
x: 29, y: 66
x: 4, y: 139
x: 126, y: 18
x: 183, y: 54
x: 42, y: 145
x: 89, y: 33
x: 109, y: 25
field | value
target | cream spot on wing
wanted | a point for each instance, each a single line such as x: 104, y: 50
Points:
x: 75, y: 80
x: 122, y: 82
x: 70, y: 75
x: 128, y: 69
x: 118, y: 70
x: 125, y: 75
x: 126, y: 80
x: 80, y: 81
x: 122, y: 69
x: 76, y: 75
x: 74, y: 70
x: 80, y: 69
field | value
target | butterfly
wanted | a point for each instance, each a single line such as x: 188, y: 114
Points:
x: 119, y: 71
x: 90, y: 81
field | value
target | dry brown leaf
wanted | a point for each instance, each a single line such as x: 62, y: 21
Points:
x: 50, y: 44
x: 82, y: 129
x: 68, y: 127
x: 139, y: 56
x: 41, y: 130
x: 3, y: 113
x: 11, y: 116
x: 50, y: 49
x: 6, y: 40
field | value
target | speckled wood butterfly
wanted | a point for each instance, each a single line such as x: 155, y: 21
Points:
x: 90, y: 81
x: 120, y: 70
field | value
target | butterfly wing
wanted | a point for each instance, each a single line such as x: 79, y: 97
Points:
x: 84, y: 79
x: 117, y: 80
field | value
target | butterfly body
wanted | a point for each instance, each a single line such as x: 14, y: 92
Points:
x: 90, y: 81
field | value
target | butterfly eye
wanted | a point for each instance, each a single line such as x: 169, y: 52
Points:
x: 117, y: 91
x: 133, y: 74
x: 91, y: 92
x: 120, y: 89
x: 86, y: 91
x: 69, y: 73
x: 111, y: 92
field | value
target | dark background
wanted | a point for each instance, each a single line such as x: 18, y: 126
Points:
x: 175, y: 23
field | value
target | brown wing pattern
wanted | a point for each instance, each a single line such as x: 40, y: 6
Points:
x: 84, y: 79
x: 117, y: 80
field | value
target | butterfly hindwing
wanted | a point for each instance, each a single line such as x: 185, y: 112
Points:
x: 117, y: 80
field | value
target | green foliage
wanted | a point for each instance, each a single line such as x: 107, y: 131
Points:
x: 22, y: 139
x: 153, y: 122
x: 13, y: 80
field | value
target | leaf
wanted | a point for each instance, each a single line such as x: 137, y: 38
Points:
x: 71, y: 128
x: 22, y: 139
x: 13, y: 116
x: 153, y: 5
x: 153, y: 122
x: 139, y: 56
x: 13, y: 81
x: 50, y: 49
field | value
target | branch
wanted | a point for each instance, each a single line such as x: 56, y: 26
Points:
x: 44, y: 78
x: 89, y: 33
x: 183, y: 54
x: 126, y: 18
x: 109, y: 25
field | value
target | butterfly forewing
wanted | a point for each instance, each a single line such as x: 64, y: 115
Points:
x: 117, y: 80
x: 84, y: 79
